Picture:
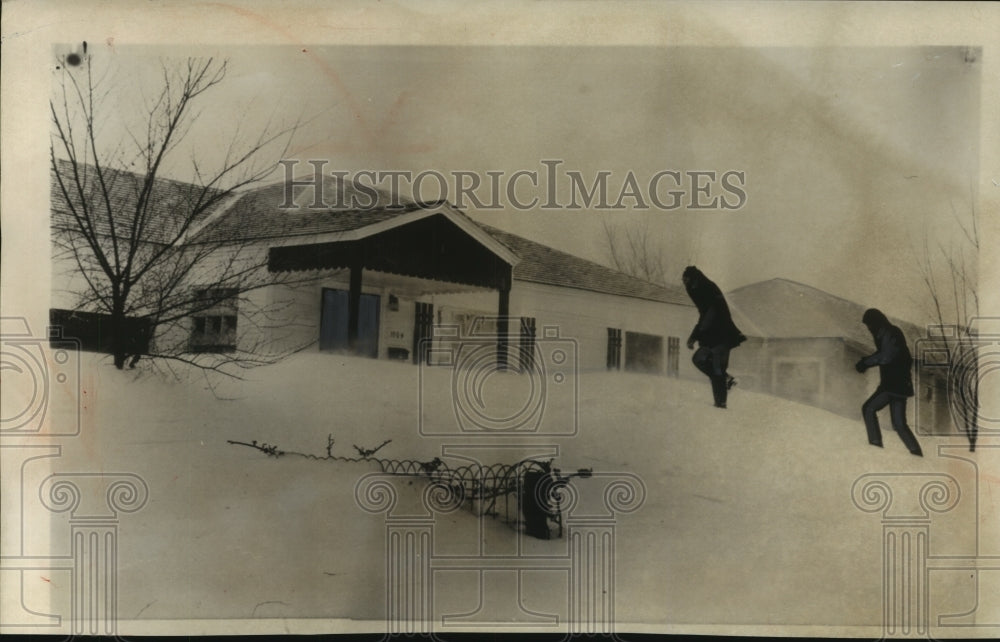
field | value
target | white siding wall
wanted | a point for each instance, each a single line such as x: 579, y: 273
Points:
x: 582, y: 316
x: 303, y: 310
x: 578, y: 315
x: 68, y: 284
x: 302, y: 306
x: 586, y: 316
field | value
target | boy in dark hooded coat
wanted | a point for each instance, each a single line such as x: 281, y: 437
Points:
x: 715, y: 332
x: 894, y: 363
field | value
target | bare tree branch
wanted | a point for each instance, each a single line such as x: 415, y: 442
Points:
x: 632, y: 251
x: 953, y: 293
x: 129, y: 235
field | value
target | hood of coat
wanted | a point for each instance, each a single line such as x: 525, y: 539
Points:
x: 875, y: 321
x: 699, y: 287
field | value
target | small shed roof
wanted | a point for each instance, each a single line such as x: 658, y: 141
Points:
x: 781, y: 308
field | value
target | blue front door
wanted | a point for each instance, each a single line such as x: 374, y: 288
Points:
x: 333, y: 322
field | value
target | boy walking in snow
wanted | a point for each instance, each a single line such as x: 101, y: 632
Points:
x: 894, y: 363
x: 715, y: 332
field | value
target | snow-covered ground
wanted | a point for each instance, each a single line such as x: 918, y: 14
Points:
x: 748, y: 516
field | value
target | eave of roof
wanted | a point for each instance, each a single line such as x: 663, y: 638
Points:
x: 254, y: 216
x: 754, y: 307
x: 548, y: 266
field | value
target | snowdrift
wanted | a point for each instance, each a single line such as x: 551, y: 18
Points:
x: 748, y: 516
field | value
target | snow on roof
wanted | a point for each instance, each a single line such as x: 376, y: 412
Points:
x: 543, y: 264
x: 343, y: 206
x: 170, y: 201
x: 781, y: 308
x: 256, y: 214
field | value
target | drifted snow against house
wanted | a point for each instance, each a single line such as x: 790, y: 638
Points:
x: 802, y: 344
x: 398, y: 279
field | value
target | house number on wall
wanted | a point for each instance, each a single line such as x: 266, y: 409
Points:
x: 396, y: 334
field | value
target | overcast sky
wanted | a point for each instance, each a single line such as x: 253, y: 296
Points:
x: 850, y: 155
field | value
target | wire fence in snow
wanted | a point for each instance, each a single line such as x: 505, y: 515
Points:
x: 529, y: 492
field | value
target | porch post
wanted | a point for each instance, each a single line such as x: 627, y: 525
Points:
x: 354, y: 306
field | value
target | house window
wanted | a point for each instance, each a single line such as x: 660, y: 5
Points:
x: 673, y: 356
x: 476, y: 324
x: 643, y: 352
x: 214, y: 321
x: 423, y: 331
x: 614, y: 348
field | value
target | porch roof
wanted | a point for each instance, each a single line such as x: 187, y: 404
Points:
x: 433, y: 242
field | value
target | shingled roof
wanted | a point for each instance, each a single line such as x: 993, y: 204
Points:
x: 781, y: 308
x: 255, y: 214
x: 169, y: 202
x: 345, y: 206
x: 543, y: 264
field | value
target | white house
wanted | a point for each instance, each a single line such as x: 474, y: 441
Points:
x: 407, y: 280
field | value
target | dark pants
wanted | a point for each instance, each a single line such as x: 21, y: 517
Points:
x: 713, y: 362
x: 897, y: 411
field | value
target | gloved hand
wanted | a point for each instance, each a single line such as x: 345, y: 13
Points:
x: 860, y: 366
x: 690, y: 344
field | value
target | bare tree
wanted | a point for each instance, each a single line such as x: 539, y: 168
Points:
x: 134, y: 239
x: 632, y: 251
x: 949, y: 275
